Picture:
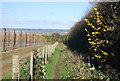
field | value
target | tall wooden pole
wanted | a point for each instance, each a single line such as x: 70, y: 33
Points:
x: 14, y: 39
x: 29, y: 39
x: 20, y: 39
x: 4, y: 39
x: 9, y: 38
x: 26, y: 39
x: 33, y: 39
x: 31, y: 66
x: 43, y: 56
x: 15, y: 67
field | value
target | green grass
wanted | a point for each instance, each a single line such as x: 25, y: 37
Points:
x: 64, y: 70
x: 7, y: 76
x: 21, y: 50
x: 50, y: 66
x: 27, y: 48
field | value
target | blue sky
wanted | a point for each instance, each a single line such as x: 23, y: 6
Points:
x: 43, y: 15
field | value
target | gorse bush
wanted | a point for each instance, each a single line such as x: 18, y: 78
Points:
x: 104, y: 34
x: 97, y: 35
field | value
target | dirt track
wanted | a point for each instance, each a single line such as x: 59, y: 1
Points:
x: 57, y: 68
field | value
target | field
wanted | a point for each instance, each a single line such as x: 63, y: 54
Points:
x: 11, y: 39
x: 23, y: 52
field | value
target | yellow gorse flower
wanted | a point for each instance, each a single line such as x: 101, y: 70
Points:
x: 93, y: 43
x: 100, y: 66
x: 95, y: 8
x: 95, y: 49
x: 95, y: 32
x: 97, y: 12
x: 104, y: 53
x: 93, y: 57
x: 93, y: 27
x: 88, y: 34
x: 103, y: 60
x: 104, y: 29
x: 97, y: 56
x: 86, y: 29
x: 98, y: 28
x: 89, y: 39
x: 85, y: 19
x: 106, y: 26
x: 100, y: 23
x: 89, y: 24
x: 91, y: 16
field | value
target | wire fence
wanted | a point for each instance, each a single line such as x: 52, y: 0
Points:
x: 12, y: 39
x: 43, y: 54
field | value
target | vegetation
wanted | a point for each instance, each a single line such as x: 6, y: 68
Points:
x: 25, y: 69
x: 55, y: 37
x: 8, y: 76
x: 97, y: 36
x: 52, y: 62
x: 38, y: 68
x: 74, y: 67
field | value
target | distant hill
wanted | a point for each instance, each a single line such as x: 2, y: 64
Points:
x: 41, y: 31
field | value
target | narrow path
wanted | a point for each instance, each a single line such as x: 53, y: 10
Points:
x: 57, y: 68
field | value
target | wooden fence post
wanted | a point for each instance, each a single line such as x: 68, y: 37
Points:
x: 33, y: 38
x: 20, y: 39
x: 29, y: 39
x: 4, y: 39
x: 31, y: 66
x: 26, y: 40
x: 15, y: 67
x: 9, y: 39
x: 14, y: 39
x: 46, y: 54
x: 43, y: 54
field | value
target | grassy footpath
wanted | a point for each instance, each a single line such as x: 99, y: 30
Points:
x: 50, y: 66
x: 64, y: 70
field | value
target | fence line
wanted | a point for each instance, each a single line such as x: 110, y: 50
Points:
x: 12, y: 39
x: 45, y: 52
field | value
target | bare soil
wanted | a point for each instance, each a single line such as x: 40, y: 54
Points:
x: 57, y: 68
